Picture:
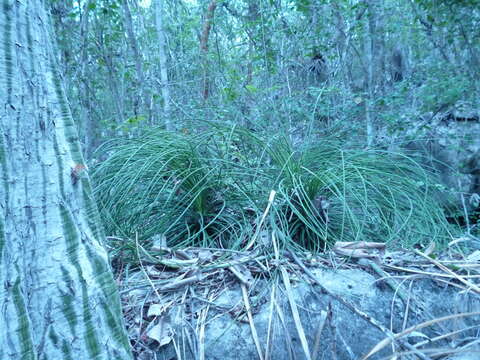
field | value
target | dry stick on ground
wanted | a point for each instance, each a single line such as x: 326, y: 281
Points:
x: 201, y: 334
x: 360, y: 313
x: 448, y: 271
x: 288, y: 339
x: 396, y: 288
x: 445, y: 336
x: 296, y: 316
x: 430, y: 274
x: 271, y: 198
x: 385, y: 342
x: 318, y: 334
x: 268, y: 344
x: 333, y: 330
x: 231, y: 263
x: 385, y: 277
x: 248, y: 309
x: 246, y: 280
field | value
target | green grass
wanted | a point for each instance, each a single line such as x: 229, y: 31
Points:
x: 211, y: 189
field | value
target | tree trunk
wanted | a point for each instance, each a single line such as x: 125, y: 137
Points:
x: 207, y: 25
x: 58, y: 299
x: 371, y: 81
x: 159, y: 14
x: 137, y: 57
x: 88, y: 125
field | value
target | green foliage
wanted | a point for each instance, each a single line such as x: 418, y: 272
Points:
x: 211, y: 190
x: 303, y: 5
x: 447, y: 4
x: 444, y: 89
x: 159, y: 184
x: 262, y: 75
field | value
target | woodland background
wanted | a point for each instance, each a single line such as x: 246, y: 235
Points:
x: 236, y: 149
x: 370, y: 68
x: 396, y: 76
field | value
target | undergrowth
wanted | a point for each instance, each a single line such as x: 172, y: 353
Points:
x: 211, y: 189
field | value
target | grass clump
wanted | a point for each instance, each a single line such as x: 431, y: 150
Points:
x: 211, y: 189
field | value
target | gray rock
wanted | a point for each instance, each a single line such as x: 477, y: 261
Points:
x: 449, y: 143
x: 344, y: 336
x: 471, y: 355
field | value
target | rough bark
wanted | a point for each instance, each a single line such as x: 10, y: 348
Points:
x: 58, y: 299
x: 87, y: 123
